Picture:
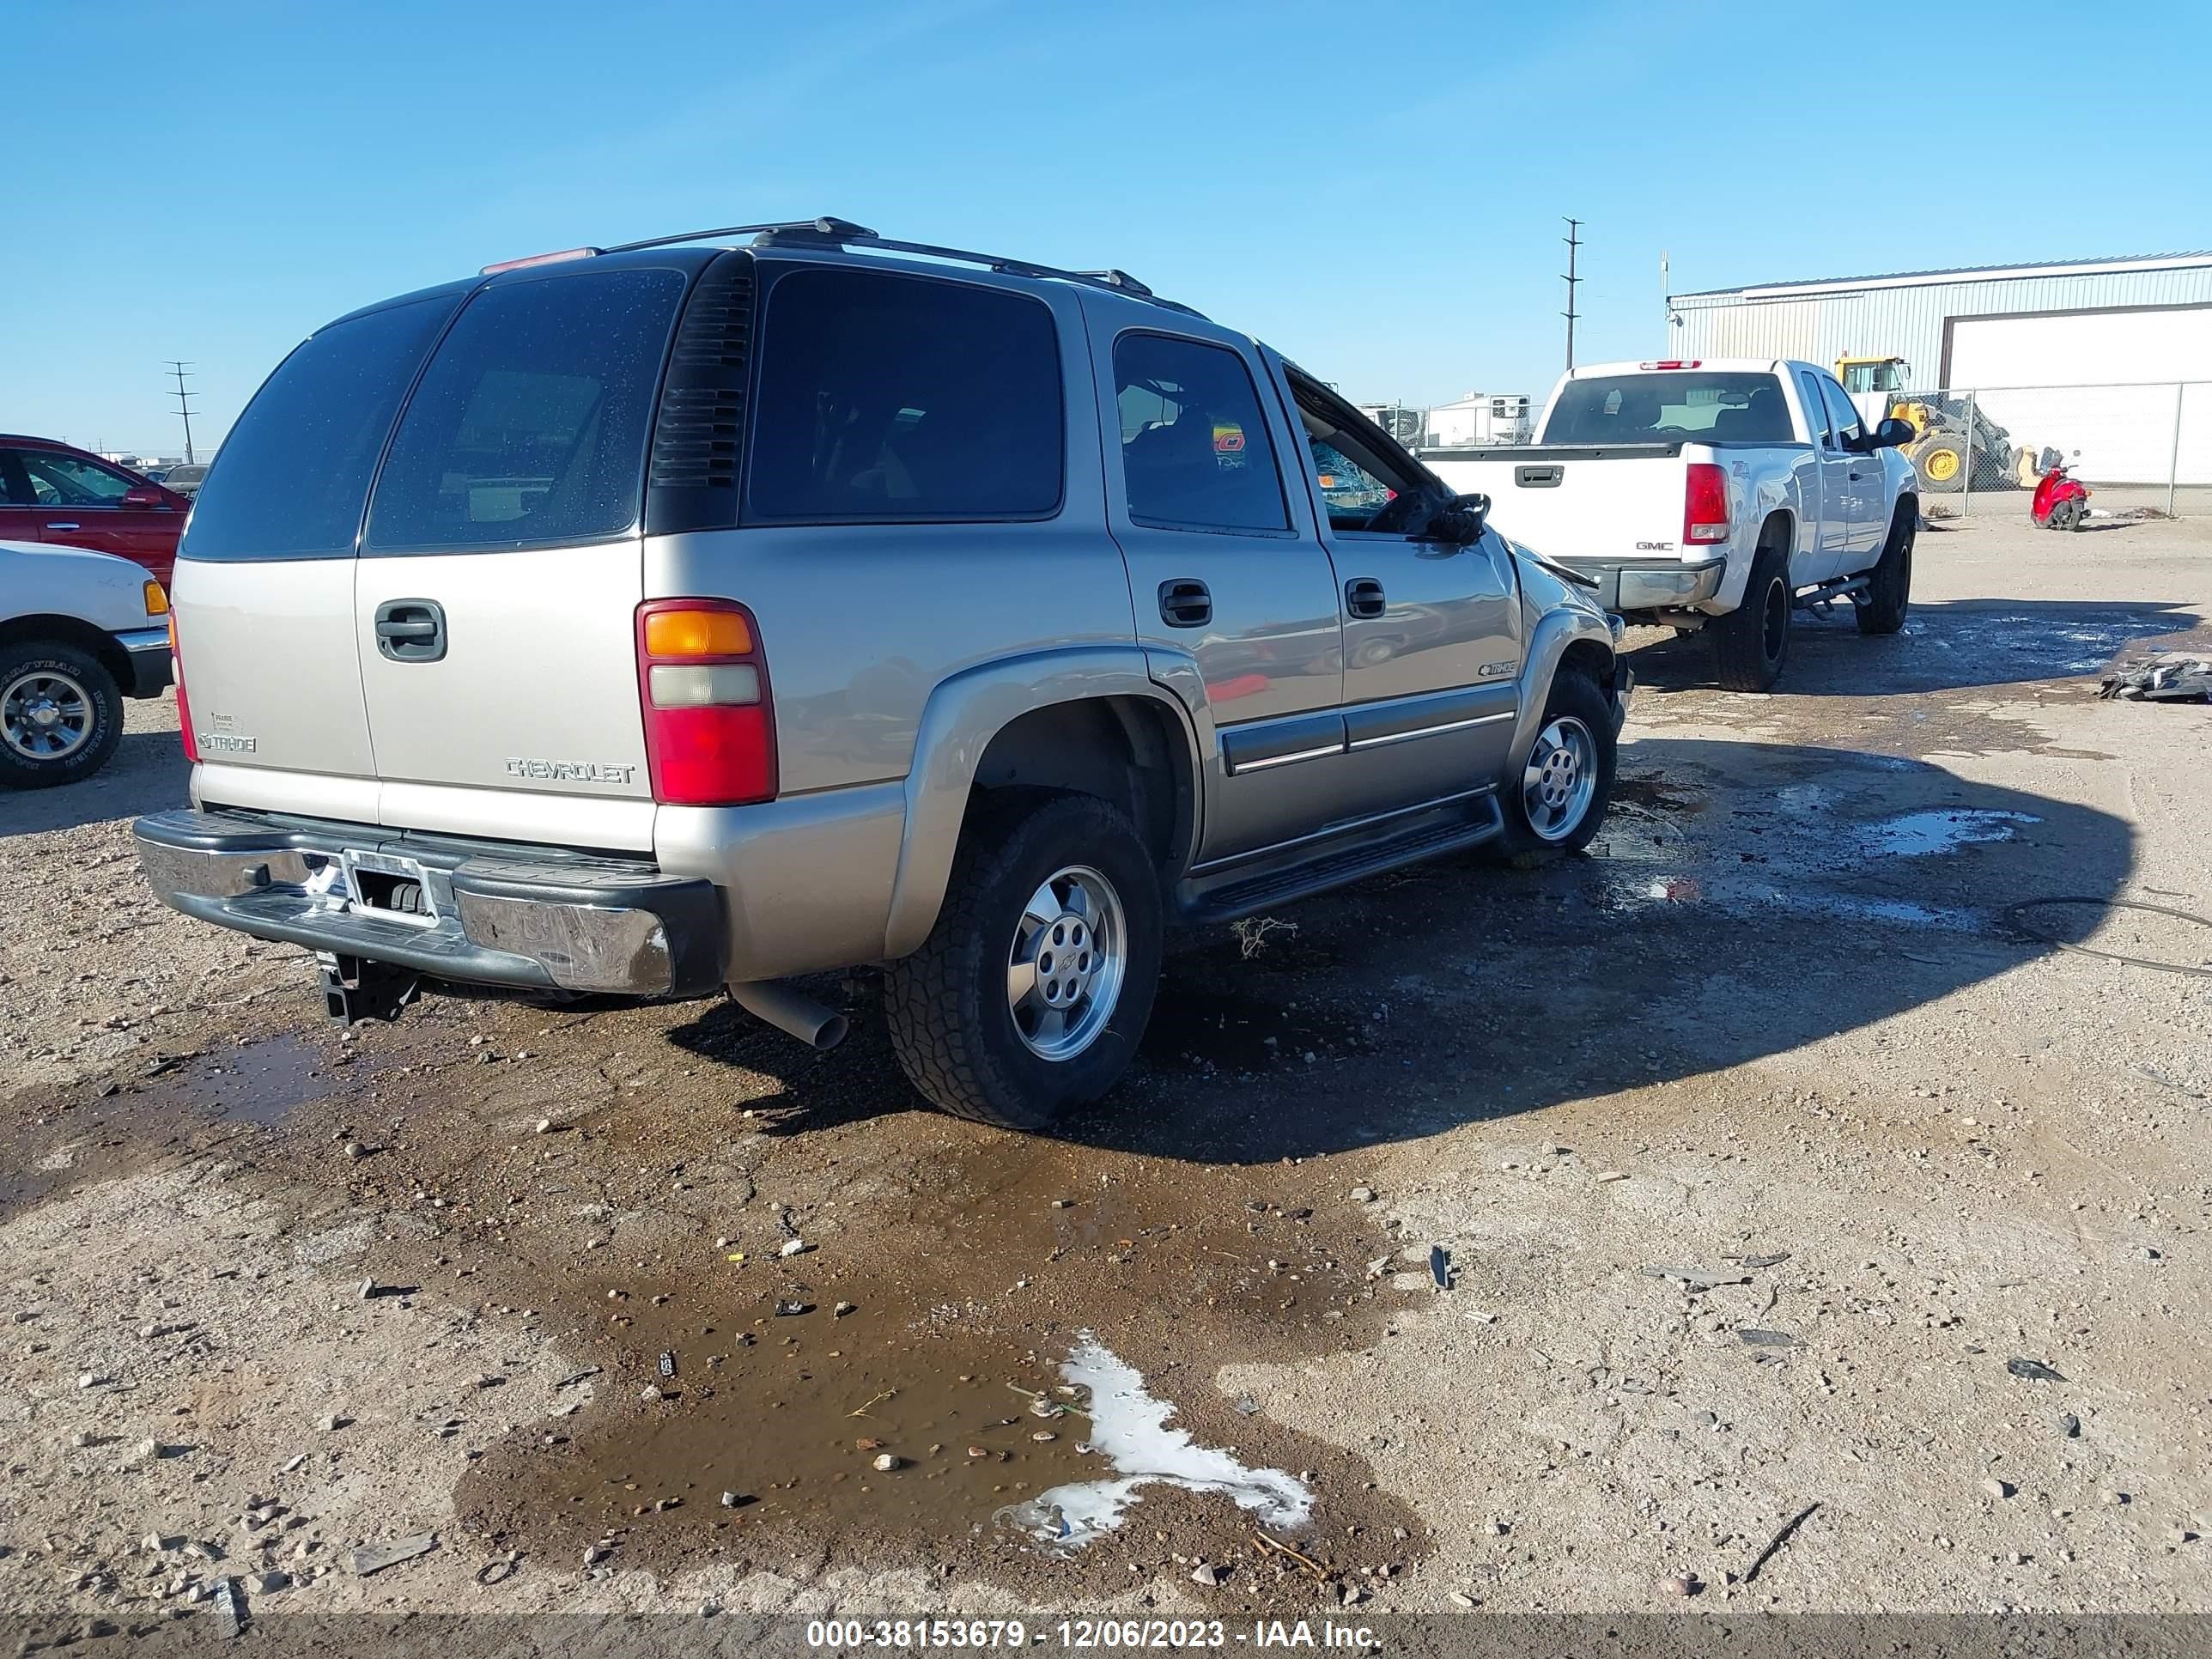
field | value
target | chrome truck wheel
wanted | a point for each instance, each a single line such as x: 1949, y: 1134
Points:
x: 1560, y: 780
x: 1064, y: 972
x: 45, y: 715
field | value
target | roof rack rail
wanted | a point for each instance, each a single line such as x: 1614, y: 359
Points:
x: 824, y: 228
x: 839, y: 232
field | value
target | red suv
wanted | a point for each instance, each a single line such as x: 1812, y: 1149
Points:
x: 49, y: 492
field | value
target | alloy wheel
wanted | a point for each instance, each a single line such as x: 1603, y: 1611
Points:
x: 46, y: 715
x: 1560, y: 780
x: 1065, y: 968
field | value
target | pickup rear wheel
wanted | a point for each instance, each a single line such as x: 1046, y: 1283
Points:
x: 1752, y: 641
x: 1557, y: 801
x: 1889, y: 584
x: 61, y: 715
x: 1032, y: 992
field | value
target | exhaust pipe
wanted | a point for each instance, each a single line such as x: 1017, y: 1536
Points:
x: 777, y: 1003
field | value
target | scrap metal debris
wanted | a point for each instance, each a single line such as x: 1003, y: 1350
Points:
x: 2164, y: 676
x: 1765, y: 1338
x: 1696, y: 1278
x: 1779, y: 1539
x: 230, y: 1614
x: 1440, y: 1267
x: 2033, y: 1369
x: 375, y: 1558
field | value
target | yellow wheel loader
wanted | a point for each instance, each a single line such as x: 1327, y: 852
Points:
x: 1947, y: 446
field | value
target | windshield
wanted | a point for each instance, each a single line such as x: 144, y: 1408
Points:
x: 1670, y: 405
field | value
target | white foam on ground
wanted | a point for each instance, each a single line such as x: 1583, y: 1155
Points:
x: 1129, y: 1428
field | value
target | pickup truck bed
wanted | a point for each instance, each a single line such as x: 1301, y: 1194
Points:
x: 1740, y: 490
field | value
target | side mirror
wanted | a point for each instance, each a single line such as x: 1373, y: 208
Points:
x: 1894, y: 434
x: 1460, y: 523
x: 145, y: 495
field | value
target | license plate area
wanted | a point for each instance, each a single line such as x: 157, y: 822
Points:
x: 388, y: 885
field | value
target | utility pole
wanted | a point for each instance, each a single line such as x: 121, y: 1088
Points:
x: 177, y: 367
x: 1573, y: 244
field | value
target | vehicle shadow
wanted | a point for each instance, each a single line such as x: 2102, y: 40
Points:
x: 147, y: 773
x: 1942, y: 647
x: 1744, y: 900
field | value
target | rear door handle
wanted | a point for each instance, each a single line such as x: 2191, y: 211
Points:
x: 411, y: 630
x: 1186, y: 603
x: 64, y: 526
x: 1363, y: 598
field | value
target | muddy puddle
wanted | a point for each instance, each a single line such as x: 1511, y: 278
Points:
x: 61, y: 1136
x: 1920, y: 835
x: 975, y: 1285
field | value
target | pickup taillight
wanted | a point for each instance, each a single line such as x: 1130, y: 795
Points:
x: 1704, y: 504
x: 703, y: 688
x: 184, y: 707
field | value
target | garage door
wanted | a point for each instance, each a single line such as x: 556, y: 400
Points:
x: 2100, y: 382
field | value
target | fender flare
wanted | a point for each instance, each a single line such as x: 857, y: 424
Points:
x: 1556, y: 631
x: 962, y: 715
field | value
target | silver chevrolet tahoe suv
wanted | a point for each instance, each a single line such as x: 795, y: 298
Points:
x: 674, y: 617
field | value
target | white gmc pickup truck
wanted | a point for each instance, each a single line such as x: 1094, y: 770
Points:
x: 1716, y: 495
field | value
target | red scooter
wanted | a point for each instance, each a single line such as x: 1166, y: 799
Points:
x: 2061, y: 502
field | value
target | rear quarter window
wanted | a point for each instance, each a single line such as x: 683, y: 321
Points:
x: 293, y: 475
x: 884, y: 396
x: 530, y: 424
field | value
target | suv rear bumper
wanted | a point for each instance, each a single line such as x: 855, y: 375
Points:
x: 528, y: 917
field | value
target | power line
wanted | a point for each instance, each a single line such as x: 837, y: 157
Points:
x: 1574, y: 245
x: 183, y: 395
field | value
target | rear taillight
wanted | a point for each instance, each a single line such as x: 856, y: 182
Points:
x: 702, y: 684
x: 184, y: 709
x: 1704, y: 504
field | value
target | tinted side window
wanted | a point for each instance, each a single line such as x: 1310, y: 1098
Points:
x: 530, y: 424
x: 292, y: 477
x: 1195, y: 453
x: 66, y: 480
x: 888, y: 397
x: 1843, y: 414
x: 1816, y: 409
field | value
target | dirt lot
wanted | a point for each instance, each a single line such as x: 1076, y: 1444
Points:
x: 271, y: 1293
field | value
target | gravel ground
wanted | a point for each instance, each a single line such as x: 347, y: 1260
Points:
x: 272, y: 1294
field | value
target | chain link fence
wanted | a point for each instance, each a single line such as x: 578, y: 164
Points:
x: 2142, y: 449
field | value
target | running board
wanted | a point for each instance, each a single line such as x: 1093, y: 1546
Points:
x: 1267, y: 880
x: 1822, y: 599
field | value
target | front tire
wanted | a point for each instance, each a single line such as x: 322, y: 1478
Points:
x: 1752, y: 642
x: 1031, y: 994
x: 61, y: 714
x: 1889, y: 585
x: 1556, y: 803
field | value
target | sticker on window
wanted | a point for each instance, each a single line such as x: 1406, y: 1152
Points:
x: 1228, y: 437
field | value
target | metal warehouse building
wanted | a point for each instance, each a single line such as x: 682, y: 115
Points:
x: 2090, y: 322
x: 2094, y: 356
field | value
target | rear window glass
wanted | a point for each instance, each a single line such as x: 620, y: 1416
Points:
x: 530, y: 424
x: 291, y: 477
x: 1671, y: 406
x: 884, y: 396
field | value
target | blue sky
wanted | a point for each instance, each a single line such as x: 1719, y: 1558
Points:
x: 1376, y: 189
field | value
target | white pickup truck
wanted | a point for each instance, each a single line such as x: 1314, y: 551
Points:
x: 1716, y: 495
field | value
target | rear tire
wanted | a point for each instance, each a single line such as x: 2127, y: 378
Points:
x: 1556, y: 804
x: 61, y: 714
x: 1889, y: 584
x: 2068, y: 514
x: 1085, y: 973
x: 1752, y: 642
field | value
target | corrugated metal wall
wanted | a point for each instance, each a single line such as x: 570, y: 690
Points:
x: 1905, y: 322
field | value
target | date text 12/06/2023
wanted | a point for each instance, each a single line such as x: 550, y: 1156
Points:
x: 1119, y: 1634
